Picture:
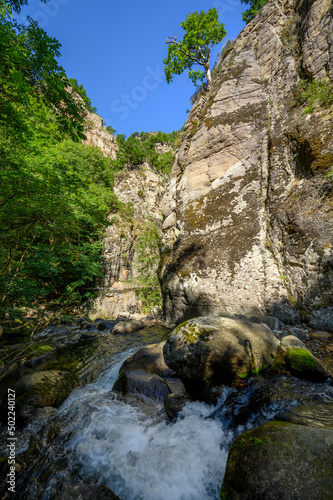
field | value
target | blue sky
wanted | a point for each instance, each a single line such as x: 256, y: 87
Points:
x: 116, y: 50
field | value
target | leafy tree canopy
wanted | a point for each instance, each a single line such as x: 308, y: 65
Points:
x: 255, y: 7
x: 140, y: 147
x: 202, y: 32
x: 29, y: 70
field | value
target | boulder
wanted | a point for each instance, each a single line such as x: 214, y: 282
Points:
x: 303, y: 364
x: 280, y: 461
x: 150, y: 358
x: 128, y: 326
x: 141, y: 382
x: 272, y: 322
x: 290, y: 342
x: 219, y: 350
x: 44, y: 388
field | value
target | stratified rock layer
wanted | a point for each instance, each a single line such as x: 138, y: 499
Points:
x: 248, y: 209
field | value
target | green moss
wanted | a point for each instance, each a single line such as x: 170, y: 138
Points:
x: 243, y: 375
x: 301, y: 360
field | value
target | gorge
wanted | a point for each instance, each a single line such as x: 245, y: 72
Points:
x: 226, y: 393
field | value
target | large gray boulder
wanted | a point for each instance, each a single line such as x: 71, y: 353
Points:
x: 128, y: 326
x: 149, y: 358
x: 219, y: 350
x: 280, y: 461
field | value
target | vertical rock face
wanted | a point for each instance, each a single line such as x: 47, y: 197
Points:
x: 248, y: 209
x: 97, y: 135
x: 142, y: 190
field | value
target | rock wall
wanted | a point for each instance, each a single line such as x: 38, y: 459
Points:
x: 248, y: 209
x: 142, y: 189
x: 97, y: 135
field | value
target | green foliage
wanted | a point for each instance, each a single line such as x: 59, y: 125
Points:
x: 18, y: 4
x: 318, y: 93
x: 111, y: 129
x: 255, y: 7
x: 79, y: 89
x: 55, y: 194
x: 147, y: 250
x: 29, y: 71
x: 202, y: 32
x: 140, y: 148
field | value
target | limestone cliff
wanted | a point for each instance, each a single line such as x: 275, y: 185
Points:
x: 141, y: 190
x: 248, y: 206
x: 97, y: 135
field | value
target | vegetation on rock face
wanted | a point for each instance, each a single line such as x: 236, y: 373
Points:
x: 202, y: 32
x: 141, y: 147
x: 79, y: 89
x: 318, y: 93
x: 255, y: 7
x: 147, y: 249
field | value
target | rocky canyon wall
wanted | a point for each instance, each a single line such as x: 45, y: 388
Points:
x: 248, y: 205
x: 141, y: 190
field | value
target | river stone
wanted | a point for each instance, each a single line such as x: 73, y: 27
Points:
x: 128, y: 326
x: 141, y: 382
x: 280, y: 461
x: 149, y: 358
x: 219, y: 350
x: 44, y: 388
x: 87, y: 492
x: 290, y: 341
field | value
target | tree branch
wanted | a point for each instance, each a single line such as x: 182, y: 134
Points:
x: 173, y: 39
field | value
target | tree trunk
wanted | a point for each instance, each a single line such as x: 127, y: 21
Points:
x: 209, y: 79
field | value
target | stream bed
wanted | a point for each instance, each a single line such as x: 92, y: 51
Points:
x: 96, y: 438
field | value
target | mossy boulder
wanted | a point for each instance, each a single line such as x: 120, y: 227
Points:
x: 219, y: 350
x: 280, y: 461
x: 43, y: 388
x: 303, y: 364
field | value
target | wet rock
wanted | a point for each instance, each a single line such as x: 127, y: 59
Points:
x: 128, y: 326
x: 272, y: 322
x: 174, y: 403
x: 141, y: 382
x: 280, y: 461
x: 218, y: 350
x: 43, y: 388
x: 89, y: 335
x: 150, y: 359
x: 312, y: 415
x: 87, y: 492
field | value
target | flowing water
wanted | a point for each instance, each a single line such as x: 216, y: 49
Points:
x: 96, y: 438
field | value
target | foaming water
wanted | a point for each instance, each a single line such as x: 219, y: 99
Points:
x: 139, y: 459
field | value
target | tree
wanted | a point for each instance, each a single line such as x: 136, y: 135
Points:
x: 255, y: 7
x: 202, y: 32
x: 29, y: 70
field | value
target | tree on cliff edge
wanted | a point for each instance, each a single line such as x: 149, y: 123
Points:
x: 255, y: 7
x: 202, y: 32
